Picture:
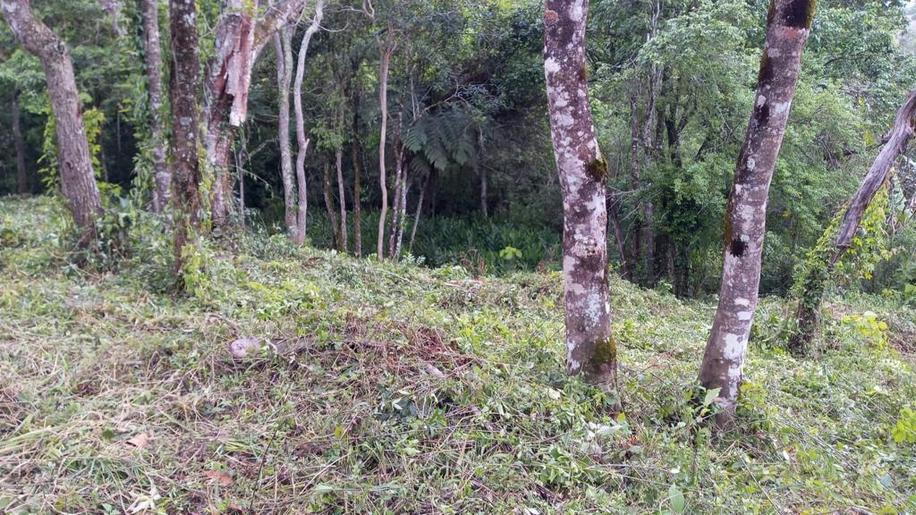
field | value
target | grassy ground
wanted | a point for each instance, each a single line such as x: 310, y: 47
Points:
x: 391, y: 388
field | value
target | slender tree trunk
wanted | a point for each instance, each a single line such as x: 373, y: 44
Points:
x: 162, y: 177
x: 343, y: 243
x: 396, y: 211
x: 284, y: 49
x: 301, y: 141
x: 614, y: 218
x: 482, y: 173
x: 635, y: 184
x: 77, y: 179
x: 183, y: 90
x: 357, y: 193
x: 402, y: 216
x: 821, y: 265
x: 591, y: 349
x: 329, y: 205
x: 650, y: 151
x: 416, y: 218
x: 385, y: 62
x: 788, y: 26
x: 22, y: 173
x: 240, y: 172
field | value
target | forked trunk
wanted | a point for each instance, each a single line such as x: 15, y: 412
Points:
x: 788, y: 26
x: 591, y: 349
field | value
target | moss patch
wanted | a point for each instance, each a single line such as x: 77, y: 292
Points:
x: 597, y: 169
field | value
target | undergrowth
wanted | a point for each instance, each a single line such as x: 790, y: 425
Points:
x: 392, y: 388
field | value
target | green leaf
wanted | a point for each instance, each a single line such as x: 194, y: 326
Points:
x: 676, y: 497
x: 711, y: 395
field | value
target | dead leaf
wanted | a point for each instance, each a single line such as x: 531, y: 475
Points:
x: 219, y: 477
x: 139, y: 441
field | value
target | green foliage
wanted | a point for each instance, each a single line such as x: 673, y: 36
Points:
x: 904, y: 431
x: 93, y: 120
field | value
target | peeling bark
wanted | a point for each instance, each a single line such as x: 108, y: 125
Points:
x: 745, y: 221
x: 809, y: 303
x: 185, y: 81
x: 77, y: 179
x: 153, y: 59
x: 591, y: 349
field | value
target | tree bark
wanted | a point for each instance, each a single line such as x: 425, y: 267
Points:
x: 482, y: 173
x: 386, y: 51
x: 329, y: 205
x: 77, y: 178
x: 344, y: 240
x: 591, y: 349
x: 183, y: 89
x: 239, y: 39
x: 357, y: 193
x: 396, y: 209
x: 284, y: 50
x: 22, y: 173
x: 788, y: 26
x: 822, y: 263
x: 162, y: 177
x: 416, y: 218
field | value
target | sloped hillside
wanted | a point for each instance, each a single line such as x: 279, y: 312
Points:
x: 392, y: 388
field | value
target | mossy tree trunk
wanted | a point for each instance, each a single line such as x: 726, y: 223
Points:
x: 162, y: 176
x: 283, y: 47
x: 185, y: 82
x: 591, y: 350
x: 77, y: 178
x: 788, y: 26
x: 821, y: 264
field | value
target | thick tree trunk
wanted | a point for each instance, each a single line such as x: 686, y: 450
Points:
x: 302, y: 141
x: 77, y: 179
x: 385, y: 62
x: 183, y: 90
x: 22, y: 173
x: 162, y: 177
x: 284, y: 50
x: 343, y: 242
x: 821, y: 265
x: 788, y: 26
x: 239, y: 39
x: 591, y: 349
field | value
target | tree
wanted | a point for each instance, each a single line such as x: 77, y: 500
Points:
x: 822, y: 261
x: 386, y: 50
x: 183, y: 88
x: 239, y: 38
x: 77, y: 179
x: 591, y: 349
x: 301, y: 140
x: 283, y: 46
x: 153, y: 58
x: 788, y: 26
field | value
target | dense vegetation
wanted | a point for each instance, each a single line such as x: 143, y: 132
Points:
x: 413, y: 256
x: 394, y: 388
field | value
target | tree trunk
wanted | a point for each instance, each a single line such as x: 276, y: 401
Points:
x: 821, y: 264
x: 77, y: 179
x: 396, y: 211
x: 239, y: 39
x: 788, y: 26
x: 385, y: 63
x: 162, y: 177
x: 650, y: 152
x: 183, y: 89
x: 343, y: 243
x: 416, y: 218
x: 482, y: 173
x: 357, y: 193
x: 301, y: 141
x: 22, y: 173
x: 635, y: 184
x: 402, y: 216
x: 591, y: 349
x: 329, y: 205
x: 284, y: 50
